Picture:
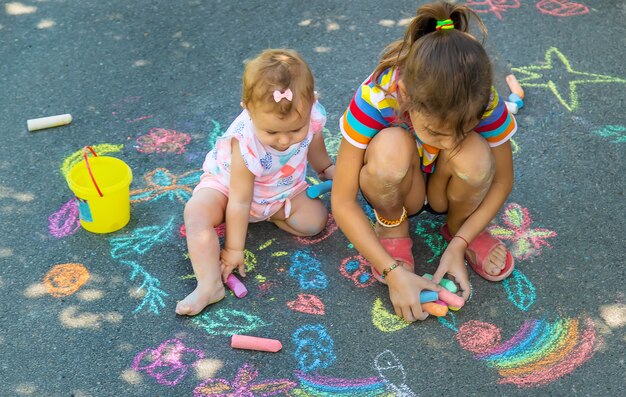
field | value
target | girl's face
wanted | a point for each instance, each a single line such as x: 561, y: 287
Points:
x: 435, y: 134
x: 280, y: 133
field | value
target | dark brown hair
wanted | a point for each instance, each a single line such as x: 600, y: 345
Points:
x: 447, y: 73
x: 278, y: 69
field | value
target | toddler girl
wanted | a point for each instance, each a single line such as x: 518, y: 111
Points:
x: 256, y: 172
x: 427, y: 129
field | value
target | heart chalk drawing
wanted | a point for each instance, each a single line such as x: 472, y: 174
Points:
x: 307, y: 303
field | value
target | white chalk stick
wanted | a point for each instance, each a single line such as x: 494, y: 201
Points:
x: 511, y: 107
x: 48, y: 122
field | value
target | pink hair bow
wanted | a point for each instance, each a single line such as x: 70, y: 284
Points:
x: 287, y: 94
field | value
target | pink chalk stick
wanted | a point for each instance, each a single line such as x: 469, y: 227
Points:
x: 451, y: 299
x: 254, y: 343
x: 514, y: 86
x: 236, y: 286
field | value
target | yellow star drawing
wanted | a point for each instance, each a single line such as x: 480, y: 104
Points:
x: 535, y: 76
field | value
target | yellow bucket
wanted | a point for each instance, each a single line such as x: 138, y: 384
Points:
x: 102, y: 189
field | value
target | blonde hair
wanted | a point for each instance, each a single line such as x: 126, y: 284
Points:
x: 278, y: 69
x: 447, y: 73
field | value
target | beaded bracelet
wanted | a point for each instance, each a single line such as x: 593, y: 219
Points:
x: 388, y: 270
x: 387, y: 223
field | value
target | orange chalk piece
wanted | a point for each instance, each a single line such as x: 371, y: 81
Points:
x: 254, y: 343
x: 514, y: 86
x: 451, y: 299
x: 435, y: 309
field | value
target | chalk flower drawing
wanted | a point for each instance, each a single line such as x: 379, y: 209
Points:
x: 160, y: 140
x: 154, y: 295
x: 243, y: 385
x: 497, y: 7
x: 163, y: 184
x: 527, y: 242
x: 539, y: 353
x: 307, y: 270
x: 314, y: 347
x: 560, y: 78
x: 167, y: 363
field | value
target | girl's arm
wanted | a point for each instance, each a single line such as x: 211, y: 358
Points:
x: 237, y: 212
x: 318, y: 157
x: 496, y: 196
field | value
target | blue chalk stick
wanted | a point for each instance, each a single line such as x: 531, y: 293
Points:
x: 517, y: 100
x: 428, y: 296
x: 314, y: 191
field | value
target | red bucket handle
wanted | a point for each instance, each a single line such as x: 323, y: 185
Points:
x: 89, y: 168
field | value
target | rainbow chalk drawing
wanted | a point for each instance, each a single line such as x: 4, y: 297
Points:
x: 65, y: 279
x: 561, y: 8
x: 331, y: 227
x: 356, y: 269
x: 228, y: 322
x: 308, y: 304
x: 564, y: 82
x: 77, y: 156
x: 324, y: 386
x: 244, y: 385
x: 428, y: 230
x: 160, y: 140
x: 307, y: 270
x: 169, y: 363
x: 153, y: 297
x: 65, y: 221
x: 314, y: 347
x: 539, y: 353
x: 519, y: 290
x: 140, y: 240
x: 527, y: 242
x: 391, y: 370
x: 497, y: 7
x: 164, y: 184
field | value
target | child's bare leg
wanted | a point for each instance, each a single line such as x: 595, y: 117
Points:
x: 308, y: 217
x: 459, y: 185
x: 391, y: 178
x: 203, y: 212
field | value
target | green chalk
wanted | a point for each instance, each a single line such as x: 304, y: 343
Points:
x: 445, y: 283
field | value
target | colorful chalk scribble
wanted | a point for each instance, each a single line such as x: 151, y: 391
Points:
x: 527, y: 241
x: 519, y: 289
x: 140, y: 240
x: 65, y: 221
x: 357, y: 269
x: 228, y: 322
x: 386, y: 321
x: 308, y: 271
x: 615, y: 132
x: 151, y: 286
x: 391, y: 370
x: 561, y: 8
x: 428, y: 231
x: 65, y: 279
x: 308, y: 304
x: 160, y: 140
x: 163, y: 184
x: 497, y: 7
x: 539, y: 353
x: 169, y: 363
x: 314, y: 347
x: 243, y: 385
x: 560, y: 78
x: 326, y: 386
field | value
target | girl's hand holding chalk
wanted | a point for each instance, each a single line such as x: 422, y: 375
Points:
x: 48, y: 122
x: 253, y: 343
x: 236, y: 286
x: 314, y: 191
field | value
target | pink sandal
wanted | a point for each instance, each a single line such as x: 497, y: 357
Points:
x: 482, y: 246
x: 400, y: 250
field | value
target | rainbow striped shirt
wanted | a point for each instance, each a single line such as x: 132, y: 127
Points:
x: 373, y: 109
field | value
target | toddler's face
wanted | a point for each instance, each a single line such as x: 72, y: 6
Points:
x: 278, y: 133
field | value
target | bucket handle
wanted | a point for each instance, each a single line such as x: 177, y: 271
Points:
x: 89, y: 168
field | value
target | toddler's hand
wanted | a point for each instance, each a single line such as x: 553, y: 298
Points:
x: 328, y: 173
x: 230, y: 260
x: 404, y: 291
x: 453, y: 262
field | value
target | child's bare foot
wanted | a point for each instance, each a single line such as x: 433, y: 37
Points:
x: 495, y: 263
x: 200, y: 298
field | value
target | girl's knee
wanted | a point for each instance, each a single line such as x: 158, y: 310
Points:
x: 474, y: 163
x: 390, y: 155
x: 312, y: 223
